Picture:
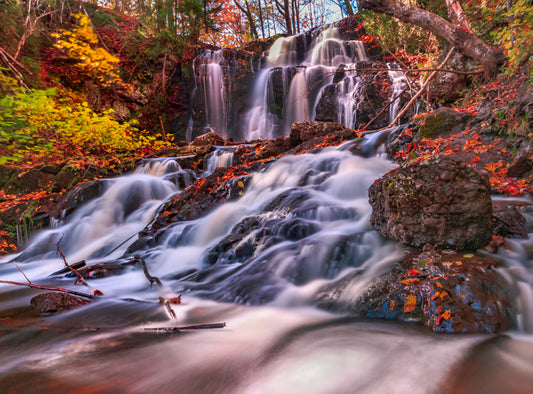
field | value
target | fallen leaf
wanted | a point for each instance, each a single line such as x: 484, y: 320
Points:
x: 410, y: 304
x: 392, y: 304
x: 413, y: 272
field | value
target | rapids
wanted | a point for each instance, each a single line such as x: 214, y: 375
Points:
x: 300, y: 228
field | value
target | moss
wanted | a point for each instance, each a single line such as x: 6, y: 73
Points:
x: 433, y: 125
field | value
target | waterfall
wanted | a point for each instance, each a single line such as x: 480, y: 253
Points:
x: 211, y: 84
x: 221, y: 157
x: 262, y: 264
x: 327, y: 54
x: 301, y: 78
x: 399, y: 84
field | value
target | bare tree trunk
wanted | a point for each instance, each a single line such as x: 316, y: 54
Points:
x: 284, y: 9
x: 261, y: 19
x: 248, y: 13
x: 490, y: 57
x: 349, y: 8
x: 457, y: 14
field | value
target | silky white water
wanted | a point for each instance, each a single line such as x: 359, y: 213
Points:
x: 298, y: 232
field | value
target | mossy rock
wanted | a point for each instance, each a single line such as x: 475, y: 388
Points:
x: 443, y: 121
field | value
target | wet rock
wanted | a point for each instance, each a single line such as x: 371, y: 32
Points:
x: 273, y: 148
x: 100, y: 270
x: 447, y: 88
x: 520, y: 166
x: 202, y: 197
x: 508, y: 221
x: 439, y: 201
x: 305, y: 131
x: 53, y: 302
x: 82, y: 194
x: 326, y: 109
x: 451, y: 293
x: 210, y: 138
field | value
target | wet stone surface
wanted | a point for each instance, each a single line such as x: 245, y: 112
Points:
x: 446, y: 291
x: 439, y: 201
x: 53, y: 302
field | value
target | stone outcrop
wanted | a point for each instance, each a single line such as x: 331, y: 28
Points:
x: 439, y: 201
x: 452, y: 293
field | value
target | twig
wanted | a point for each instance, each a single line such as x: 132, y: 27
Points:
x: 81, y: 279
x: 439, y: 69
x: 22, y: 272
x: 178, y: 329
x: 151, y: 278
x: 163, y: 131
x: 422, y: 89
x: 121, y: 244
x: 382, y: 110
x: 58, y: 289
x: 166, y: 303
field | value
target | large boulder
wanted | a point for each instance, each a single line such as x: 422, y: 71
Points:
x: 438, y: 201
x: 447, y: 292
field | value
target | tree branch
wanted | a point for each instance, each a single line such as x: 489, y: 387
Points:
x: 422, y: 89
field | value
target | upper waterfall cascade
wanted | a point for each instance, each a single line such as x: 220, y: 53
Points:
x: 294, y: 82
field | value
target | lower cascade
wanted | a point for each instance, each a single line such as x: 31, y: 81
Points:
x: 223, y: 277
x: 283, y: 266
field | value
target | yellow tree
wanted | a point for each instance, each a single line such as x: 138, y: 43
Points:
x: 80, y: 46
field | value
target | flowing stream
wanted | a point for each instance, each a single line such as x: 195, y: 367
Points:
x: 261, y: 264
x: 264, y: 264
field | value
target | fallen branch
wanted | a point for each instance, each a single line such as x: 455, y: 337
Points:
x: 81, y: 279
x: 178, y: 329
x: 166, y: 303
x: 58, y: 289
x: 422, y: 89
x: 152, y: 279
x: 22, y: 272
x: 382, y: 110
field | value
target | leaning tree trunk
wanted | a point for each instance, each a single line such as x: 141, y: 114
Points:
x: 490, y: 57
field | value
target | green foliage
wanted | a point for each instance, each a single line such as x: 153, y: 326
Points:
x: 38, y: 125
x: 517, y: 37
x: 397, y: 36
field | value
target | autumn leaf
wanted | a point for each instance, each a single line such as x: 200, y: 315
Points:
x: 392, y: 305
x: 410, y: 304
x: 413, y: 272
x: 445, y: 316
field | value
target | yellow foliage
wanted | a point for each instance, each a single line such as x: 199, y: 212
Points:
x: 80, y: 44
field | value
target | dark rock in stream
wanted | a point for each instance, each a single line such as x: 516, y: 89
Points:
x: 508, y: 221
x: 99, y: 270
x: 53, y: 302
x: 448, y: 292
x: 439, y: 201
x: 210, y: 138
